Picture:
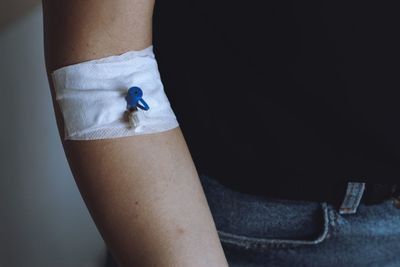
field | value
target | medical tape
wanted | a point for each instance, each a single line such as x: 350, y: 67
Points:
x: 95, y: 103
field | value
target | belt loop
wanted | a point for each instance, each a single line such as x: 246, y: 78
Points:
x: 352, y: 198
x: 396, y: 196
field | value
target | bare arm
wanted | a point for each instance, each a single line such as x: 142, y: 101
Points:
x: 143, y: 192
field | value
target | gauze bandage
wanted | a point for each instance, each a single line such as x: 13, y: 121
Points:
x: 93, y: 97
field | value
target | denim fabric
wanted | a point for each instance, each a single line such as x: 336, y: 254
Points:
x: 257, y: 231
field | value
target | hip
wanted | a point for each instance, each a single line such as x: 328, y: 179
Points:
x: 261, y: 231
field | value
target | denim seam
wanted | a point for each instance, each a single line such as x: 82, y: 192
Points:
x: 254, y: 242
x: 334, y: 221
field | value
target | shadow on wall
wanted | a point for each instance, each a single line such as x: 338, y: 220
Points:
x: 12, y: 10
x: 44, y: 221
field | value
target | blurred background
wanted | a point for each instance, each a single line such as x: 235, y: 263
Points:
x: 43, y: 220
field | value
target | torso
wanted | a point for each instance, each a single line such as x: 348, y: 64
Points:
x: 283, y: 91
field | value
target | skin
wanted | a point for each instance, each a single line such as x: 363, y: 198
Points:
x: 143, y: 192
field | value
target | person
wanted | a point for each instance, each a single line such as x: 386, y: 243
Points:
x: 287, y: 150
x: 149, y: 207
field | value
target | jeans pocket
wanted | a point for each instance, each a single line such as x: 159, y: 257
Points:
x: 254, y: 222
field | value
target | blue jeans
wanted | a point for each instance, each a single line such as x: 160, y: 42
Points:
x: 257, y: 231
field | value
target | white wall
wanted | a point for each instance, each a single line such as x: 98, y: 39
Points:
x: 43, y: 220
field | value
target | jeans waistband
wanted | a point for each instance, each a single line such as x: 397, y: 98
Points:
x: 346, y: 195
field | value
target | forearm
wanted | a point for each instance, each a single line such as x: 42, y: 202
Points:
x: 143, y: 192
x: 144, y: 195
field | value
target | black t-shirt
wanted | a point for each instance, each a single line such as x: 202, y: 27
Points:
x: 278, y: 92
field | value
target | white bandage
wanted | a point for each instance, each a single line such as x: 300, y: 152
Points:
x: 91, y: 96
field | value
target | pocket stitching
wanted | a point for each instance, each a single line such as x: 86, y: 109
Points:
x: 255, y: 242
